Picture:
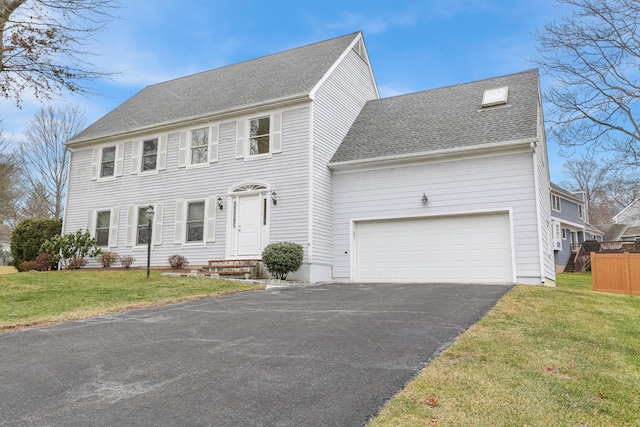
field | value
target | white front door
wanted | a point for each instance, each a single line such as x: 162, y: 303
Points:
x: 249, y: 226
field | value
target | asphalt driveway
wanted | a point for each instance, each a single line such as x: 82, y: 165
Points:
x: 326, y: 355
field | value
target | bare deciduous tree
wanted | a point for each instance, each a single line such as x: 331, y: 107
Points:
x: 43, y: 45
x: 45, y: 155
x: 607, y: 189
x: 592, y: 57
x: 9, y: 182
x: 36, y: 203
x: 622, y: 192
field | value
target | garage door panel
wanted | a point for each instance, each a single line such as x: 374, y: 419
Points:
x: 469, y: 248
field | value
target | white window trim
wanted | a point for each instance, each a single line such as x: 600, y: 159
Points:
x: 132, y: 225
x: 184, y: 150
x: 96, y: 162
x: 114, y: 218
x: 556, y: 235
x: 243, y: 150
x: 564, y: 234
x: 553, y: 204
x: 161, y: 155
x: 210, y: 217
x: 580, y: 212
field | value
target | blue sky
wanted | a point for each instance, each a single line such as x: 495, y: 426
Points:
x: 413, y: 45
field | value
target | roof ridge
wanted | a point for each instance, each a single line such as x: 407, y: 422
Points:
x: 530, y: 70
x: 252, y: 59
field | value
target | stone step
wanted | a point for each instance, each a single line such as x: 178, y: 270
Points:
x: 247, y: 269
x: 233, y: 263
x: 227, y: 270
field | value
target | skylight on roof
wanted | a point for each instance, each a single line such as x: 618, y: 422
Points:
x: 495, y: 96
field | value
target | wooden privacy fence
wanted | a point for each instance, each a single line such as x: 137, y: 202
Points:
x: 617, y: 273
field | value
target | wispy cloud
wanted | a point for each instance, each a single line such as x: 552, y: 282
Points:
x: 375, y: 22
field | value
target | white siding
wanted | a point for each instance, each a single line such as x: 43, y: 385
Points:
x: 490, y: 183
x: 337, y: 104
x: 541, y: 162
x: 286, y: 172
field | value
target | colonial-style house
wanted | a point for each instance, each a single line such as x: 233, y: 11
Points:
x: 570, y: 221
x: 446, y: 185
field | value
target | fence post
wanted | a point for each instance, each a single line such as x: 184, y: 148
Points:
x: 627, y: 272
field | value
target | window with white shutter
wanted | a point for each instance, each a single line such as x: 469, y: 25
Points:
x: 259, y: 136
x: 195, y: 221
x: 107, y: 162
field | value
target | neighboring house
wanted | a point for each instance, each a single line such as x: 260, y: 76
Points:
x: 626, y: 224
x: 447, y: 185
x: 570, y: 221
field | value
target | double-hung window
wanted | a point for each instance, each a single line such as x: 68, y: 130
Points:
x: 195, y: 222
x: 199, y: 146
x: 108, y: 162
x: 138, y: 231
x: 259, y: 135
x: 555, y: 203
x: 103, y: 223
x: 142, y: 231
x: 149, y: 154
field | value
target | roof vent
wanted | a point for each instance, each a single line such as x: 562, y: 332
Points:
x: 495, y: 96
x: 360, y: 50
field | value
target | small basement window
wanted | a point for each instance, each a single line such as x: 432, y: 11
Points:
x: 495, y: 96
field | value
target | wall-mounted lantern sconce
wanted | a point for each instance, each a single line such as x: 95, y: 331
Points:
x: 425, y: 199
x: 274, y: 197
x: 220, y: 203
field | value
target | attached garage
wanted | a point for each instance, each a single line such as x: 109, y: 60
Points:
x: 471, y: 248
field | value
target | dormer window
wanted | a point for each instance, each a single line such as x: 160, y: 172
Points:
x: 493, y: 97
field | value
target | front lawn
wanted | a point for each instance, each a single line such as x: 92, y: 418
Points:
x: 40, y: 298
x: 543, y: 356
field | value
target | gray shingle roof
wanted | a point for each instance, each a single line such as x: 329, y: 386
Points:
x: 567, y: 193
x: 449, y: 117
x: 271, y: 77
x: 612, y: 232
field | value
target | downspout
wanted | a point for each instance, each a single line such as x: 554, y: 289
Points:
x: 536, y: 177
x: 66, y: 198
x: 311, y: 189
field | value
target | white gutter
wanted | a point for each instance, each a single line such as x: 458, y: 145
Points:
x: 429, y: 155
x: 189, y: 121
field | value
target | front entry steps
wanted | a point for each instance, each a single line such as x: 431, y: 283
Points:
x: 246, y: 269
x: 251, y: 270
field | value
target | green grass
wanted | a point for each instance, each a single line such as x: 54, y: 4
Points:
x: 40, y: 298
x: 543, y: 356
x: 576, y: 281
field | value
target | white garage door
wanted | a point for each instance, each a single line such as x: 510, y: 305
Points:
x: 463, y: 248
